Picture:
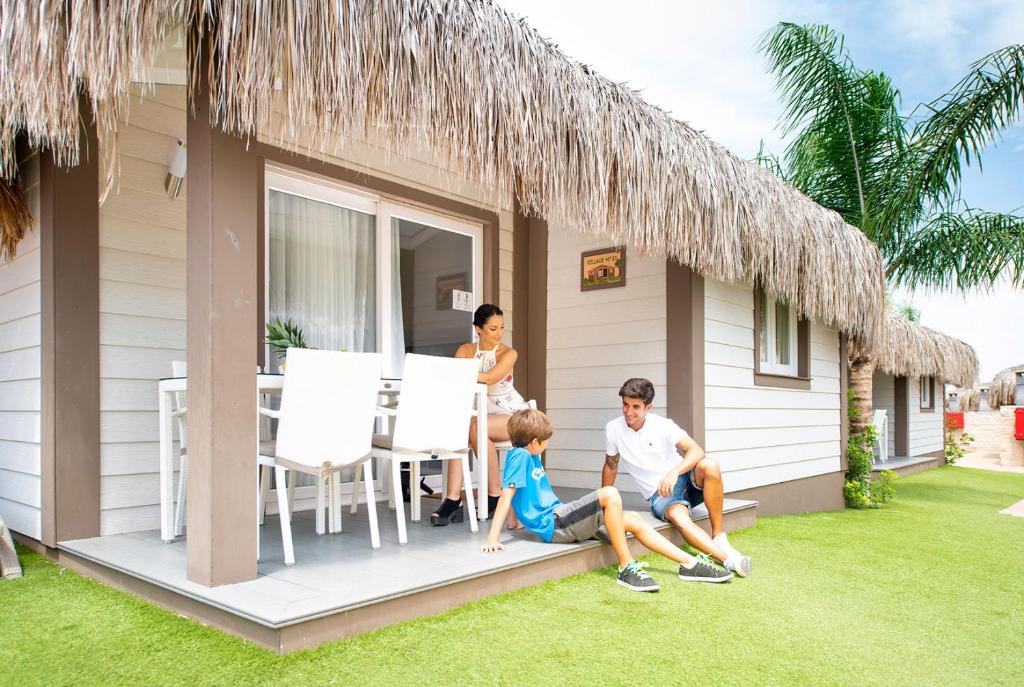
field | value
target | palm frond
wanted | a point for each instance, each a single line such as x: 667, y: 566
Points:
x: 960, y: 125
x: 966, y: 249
x: 770, y: 161
x: 819, y: 86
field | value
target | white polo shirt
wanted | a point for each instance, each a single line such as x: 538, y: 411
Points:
x: 649, y: 453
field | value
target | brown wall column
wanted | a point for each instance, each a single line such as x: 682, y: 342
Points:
x: 901, y: 424
x: 70, y: 422
x: 530, y: 304
x: 222, y: 295
x: 684, y: 317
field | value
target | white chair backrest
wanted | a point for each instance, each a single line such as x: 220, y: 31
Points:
x: 435, y: 403
x: 179, y: 368
x: 328, y: 406
x: 878, y: 419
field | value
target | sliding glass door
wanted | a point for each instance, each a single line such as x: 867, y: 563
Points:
x: 357, y: 272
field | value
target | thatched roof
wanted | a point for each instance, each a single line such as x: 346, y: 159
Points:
x: 908, y: 349
x: 969, y: 398
x: 1003, y: 390
x: 467, y: 79
x: 15, y: 218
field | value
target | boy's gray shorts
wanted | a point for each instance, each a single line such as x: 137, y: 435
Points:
x: 578, y: 520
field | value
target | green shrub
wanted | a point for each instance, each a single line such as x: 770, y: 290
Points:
x: 956, y: 447
x: 859, y: 489
x: 883, y: 486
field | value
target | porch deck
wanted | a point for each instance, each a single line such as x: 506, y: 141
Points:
x: 340, y: 586
x: 908, y: 465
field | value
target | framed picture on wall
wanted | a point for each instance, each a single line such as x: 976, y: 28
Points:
x: 448, y: 283
x: 604, y: 268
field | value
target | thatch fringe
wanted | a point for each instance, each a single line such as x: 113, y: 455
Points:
x: 1003, y: 390
x: 15, y: 218
x: 500, y: 105
x: 908, y: 349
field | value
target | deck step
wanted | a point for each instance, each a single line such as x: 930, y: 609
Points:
x: 339, y: 586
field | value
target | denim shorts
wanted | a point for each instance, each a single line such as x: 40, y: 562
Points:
x: 685, y: 492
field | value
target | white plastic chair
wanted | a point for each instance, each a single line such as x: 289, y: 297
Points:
x: 880, y: 420
x: 432, y: 422
x: 325, y: 424
x: 179, y: 409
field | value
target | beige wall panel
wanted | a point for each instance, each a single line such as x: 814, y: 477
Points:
x: 22, y: 394
x: 20, y: 425
x: 139, y: 299
x: 19, y: 302
x: 764, y: 435
x: 597, y: 340
x: 24, y: 269
x: 143, y: 238
x: 20, y: 456
x: 24, y: 332
x: 925, y: 427
x: 142, y: 304
x: 20, y: 364
x: 141, y: 332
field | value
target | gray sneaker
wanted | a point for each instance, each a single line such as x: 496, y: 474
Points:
x: 704, y: 571
x: 633, y: 578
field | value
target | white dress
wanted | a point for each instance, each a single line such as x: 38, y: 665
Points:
x: 502, y: 397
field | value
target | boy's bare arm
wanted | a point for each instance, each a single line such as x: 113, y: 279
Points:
x: 692, y: 454
x: 610, y: 470
x: 498, y: 520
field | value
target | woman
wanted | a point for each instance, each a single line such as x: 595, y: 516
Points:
x: 496, y: 363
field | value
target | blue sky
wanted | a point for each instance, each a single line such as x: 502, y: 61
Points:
x: 699, y: 60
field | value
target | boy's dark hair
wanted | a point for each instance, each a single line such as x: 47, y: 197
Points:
x: 484, y: 313
x: 638, y: 387
x: 528, y: 424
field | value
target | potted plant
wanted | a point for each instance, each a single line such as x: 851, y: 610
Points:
x: 284, y: 335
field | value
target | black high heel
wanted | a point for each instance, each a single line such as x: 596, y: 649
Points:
x: 451, y: 510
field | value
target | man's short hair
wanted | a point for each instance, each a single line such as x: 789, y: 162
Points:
x: 638, y: 387
x: 528, y: 424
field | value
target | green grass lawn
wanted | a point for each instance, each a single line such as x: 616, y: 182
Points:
x: 928, y: 590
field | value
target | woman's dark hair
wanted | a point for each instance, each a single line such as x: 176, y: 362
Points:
x: 484, y: 313
x: 638, y: 387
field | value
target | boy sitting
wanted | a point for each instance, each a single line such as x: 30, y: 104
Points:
x: 525, y: 488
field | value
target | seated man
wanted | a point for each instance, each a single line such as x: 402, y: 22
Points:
x: 650, y: 445
x: 526, y: 490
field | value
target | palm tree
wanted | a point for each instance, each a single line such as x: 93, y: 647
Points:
x: 898, y: 177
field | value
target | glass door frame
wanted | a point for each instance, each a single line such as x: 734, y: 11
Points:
x: 285, y: 179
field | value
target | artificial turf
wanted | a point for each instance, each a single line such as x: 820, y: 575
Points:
x: 928, y: 590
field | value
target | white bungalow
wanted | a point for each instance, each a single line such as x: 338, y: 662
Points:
x: 354, y: 197
x: 908, y: 393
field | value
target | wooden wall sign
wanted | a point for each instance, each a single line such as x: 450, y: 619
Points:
x: 604, y: 268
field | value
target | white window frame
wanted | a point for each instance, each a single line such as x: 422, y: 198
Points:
x: 287, y: 180
x: 924, y: 390
x: 768, y: 364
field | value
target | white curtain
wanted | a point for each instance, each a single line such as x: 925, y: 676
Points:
x: 322, y: 272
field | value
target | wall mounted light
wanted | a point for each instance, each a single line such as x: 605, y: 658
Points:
x: 176, y: 170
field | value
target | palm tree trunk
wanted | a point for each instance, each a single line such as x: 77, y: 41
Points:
x: 862, y: 369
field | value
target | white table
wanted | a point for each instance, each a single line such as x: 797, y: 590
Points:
x: 272, y: 384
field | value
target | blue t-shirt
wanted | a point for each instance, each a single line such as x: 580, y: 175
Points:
x: 534, y: 501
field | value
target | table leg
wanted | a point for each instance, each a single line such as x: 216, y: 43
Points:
x: 166, y: 468
x: 481, y: 453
